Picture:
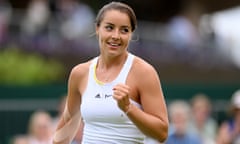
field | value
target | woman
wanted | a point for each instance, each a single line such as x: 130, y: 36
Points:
x: 118, y: 95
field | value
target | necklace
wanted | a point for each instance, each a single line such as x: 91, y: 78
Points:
x: 105, y: 74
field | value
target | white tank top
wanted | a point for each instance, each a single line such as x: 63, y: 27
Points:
x: 104, y: 121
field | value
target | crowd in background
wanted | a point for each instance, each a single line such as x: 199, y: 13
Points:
x: 41, y: 127
x: 68, y: 25
x: 42, y: 28
x: 190, y: 122
x: 193, y: 123
x: 71, y: 24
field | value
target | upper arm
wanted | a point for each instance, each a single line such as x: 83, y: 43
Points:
x: 75, y: 83
x: 69, y: 121
x: 151, y: 94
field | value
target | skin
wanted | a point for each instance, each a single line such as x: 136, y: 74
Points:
x: 114, y: 34
x: 224, y: 136
x: 201, y: 111
x: 41, y: 127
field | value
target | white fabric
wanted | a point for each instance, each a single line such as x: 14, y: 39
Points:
x: 104, y: 122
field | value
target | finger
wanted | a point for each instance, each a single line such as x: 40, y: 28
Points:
x: 118, y: 95
x: 122, y: 88
x: 120, y: 85
x: 121, y: 92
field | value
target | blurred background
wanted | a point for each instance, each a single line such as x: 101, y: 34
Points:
x: 193, y: 44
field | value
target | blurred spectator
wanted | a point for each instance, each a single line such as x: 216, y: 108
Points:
x: 183, y: 30
x: 76, y: 19
x: 202, y: 123
x: 5, y: 16
x: 20, y: 139
x: 36, y: 18
x: 179, y: 112
x: 229, y: 131
x: 40, y: 128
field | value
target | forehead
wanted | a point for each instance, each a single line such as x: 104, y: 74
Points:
x: 116, y: 17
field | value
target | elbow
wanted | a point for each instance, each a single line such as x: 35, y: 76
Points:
x: 164, y: 133
x: 163, y: 138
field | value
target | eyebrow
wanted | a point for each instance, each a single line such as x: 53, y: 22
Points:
x: 124, y: 26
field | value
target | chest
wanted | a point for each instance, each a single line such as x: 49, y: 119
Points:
x: 99, y: 105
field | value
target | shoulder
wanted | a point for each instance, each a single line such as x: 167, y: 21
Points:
x: 143, y: 69
x: 143, y: 74
x: 142, y: 66
x: 78, y: 77
x: 80, y: 71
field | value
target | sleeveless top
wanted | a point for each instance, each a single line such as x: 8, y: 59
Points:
x: 104, y: 121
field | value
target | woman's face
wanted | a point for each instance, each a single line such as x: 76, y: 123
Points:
x: 114, y: 33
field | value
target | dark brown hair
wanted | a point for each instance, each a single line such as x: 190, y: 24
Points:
x: 120, y: 7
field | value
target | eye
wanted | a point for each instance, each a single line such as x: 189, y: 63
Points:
x: 109, y: 27
x: 124, y: 30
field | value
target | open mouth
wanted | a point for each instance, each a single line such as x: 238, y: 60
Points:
x: 114, y: 44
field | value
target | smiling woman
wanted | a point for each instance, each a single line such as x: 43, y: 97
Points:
x: 113, y: 33
x: 111, y: 94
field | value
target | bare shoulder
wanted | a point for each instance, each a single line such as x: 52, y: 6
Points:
x: 144, y: 74
x: 79, y: 74
x: 78, y: 77
x: 142, y: 67
x: 80, y: 70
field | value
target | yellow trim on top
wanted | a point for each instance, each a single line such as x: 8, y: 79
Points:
x: 95, y: 76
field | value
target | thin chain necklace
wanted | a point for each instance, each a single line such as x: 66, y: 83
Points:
x: 107, y: 76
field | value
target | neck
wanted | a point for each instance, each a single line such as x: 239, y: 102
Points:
x: 107, y: 69
x: 109, y: 62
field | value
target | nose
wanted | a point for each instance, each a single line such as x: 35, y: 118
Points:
x: 116, y: 34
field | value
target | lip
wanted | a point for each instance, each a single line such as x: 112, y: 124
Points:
x: 113, y: 45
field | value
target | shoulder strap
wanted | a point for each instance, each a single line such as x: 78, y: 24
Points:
x: 126, y: 68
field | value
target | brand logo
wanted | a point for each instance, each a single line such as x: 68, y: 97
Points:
x: 98, y: 96
x: 105, y: 96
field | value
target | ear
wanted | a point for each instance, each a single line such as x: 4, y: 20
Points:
x: 97, y: 29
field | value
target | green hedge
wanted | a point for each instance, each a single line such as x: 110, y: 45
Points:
x: 21, y: 68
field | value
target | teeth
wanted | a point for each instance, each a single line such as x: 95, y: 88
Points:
x: 114, y: 44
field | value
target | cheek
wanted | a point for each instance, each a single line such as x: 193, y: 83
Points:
x: 101, y: 39
x: 126, y: 39
x: 129, y: 37
x: 103, y: 36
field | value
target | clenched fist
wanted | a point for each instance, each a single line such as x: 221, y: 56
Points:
x: 121, y: 95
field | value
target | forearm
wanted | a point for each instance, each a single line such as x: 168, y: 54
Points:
x: 67, y: 128
x: 150, y: 125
